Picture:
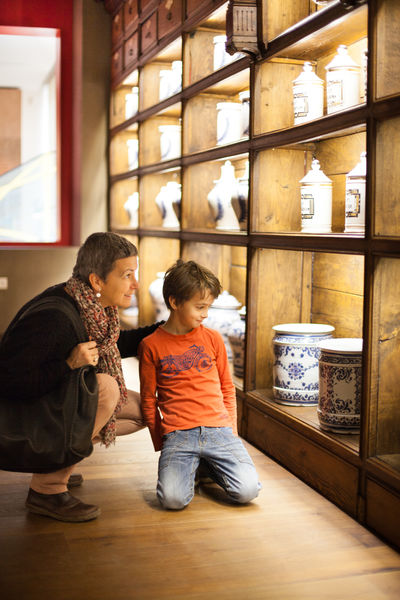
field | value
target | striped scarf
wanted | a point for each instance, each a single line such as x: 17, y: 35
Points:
x: 103, y: 327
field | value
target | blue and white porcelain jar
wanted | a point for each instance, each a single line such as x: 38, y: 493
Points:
x: 340, y: 370
x: 236, y: 337
x: 295, y: 370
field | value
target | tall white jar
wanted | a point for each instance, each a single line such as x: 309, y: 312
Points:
x: 308, y: 96
x: 355, y: 197
x: 155, y: 290
x: 316, y: 201
x: 221, y: 314
x: 342, y: 81
x: 229, y: 122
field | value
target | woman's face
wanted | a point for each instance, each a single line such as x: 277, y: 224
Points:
x: 120, y: 283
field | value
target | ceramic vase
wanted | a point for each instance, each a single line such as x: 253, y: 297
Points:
x: 221, y: 314
x: 295, y: 369
x: 220, y: 199
x: 340, y: 375
x: 132, y: 103
x: 176, y: 77
x: 308, y: 96
x: 342, y: 82
x: 355, y: 197
x: 157, y: 298
x: 240, y: 200
x: 236, y: 337
x: 132, y: 208
x: 165, y: 84
x: 170, y: 141
x: 229, y: 122
x: 316, y: 201
x: 221, y: 57
x: 245, y: 112
x: 133, y: 153
x: 166, y: 200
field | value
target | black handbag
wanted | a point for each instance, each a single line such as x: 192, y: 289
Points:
x: 54, y: 431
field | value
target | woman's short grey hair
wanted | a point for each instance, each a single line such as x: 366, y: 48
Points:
x: 99, y: 253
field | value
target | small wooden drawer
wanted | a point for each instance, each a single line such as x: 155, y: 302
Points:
x: 148, y: 33
x: 169, y: 16
x: 131, y: 14
x: 194, y: 5
x: 116, y: 63
x: 117, y: 27
x: 131, y: 49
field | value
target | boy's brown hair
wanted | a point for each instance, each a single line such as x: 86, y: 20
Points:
x: 184, y: 279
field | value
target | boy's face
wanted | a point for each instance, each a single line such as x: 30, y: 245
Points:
x: 191, y: 314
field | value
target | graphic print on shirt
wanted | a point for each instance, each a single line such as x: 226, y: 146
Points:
x: 172, y: 364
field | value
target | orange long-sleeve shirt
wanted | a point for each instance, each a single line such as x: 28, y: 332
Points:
x: 187, y: 379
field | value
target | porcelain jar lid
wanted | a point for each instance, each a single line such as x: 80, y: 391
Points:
x: 342, y: 345
x: 225, y: 300
x: 307, y: 76
x: 304, y: 329
x: 315, y: 175
x: 360, y: 170
x: 342, y: 60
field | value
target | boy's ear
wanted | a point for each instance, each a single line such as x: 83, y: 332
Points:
x: 172, y: 302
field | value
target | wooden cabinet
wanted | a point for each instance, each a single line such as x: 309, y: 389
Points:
x: 267, y: 261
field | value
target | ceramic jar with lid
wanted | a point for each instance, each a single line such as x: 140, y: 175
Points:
x: 221, y: 56
x: 236, y: 337
x: 342, y: 81
x: 245, y: 113
x: 355, y: 197
x: 133, y: 153
x: 295, y: 370
x: 340, y: 375
x: 221, y: 314
x: 157, y: 298
x: 132, y: 102
x: 308, y: 96
x: 316, y: 201
x: 168, y: 196
x: 220, y: 198
x: 241, y: 197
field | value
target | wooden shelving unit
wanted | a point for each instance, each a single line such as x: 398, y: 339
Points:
x: 282, y: 275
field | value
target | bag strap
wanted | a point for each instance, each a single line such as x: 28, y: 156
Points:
x: 62, y: 304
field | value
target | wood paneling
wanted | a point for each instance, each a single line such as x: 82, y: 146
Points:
x: 382, y: 511
x: 387, y: 182
x: 10, y: 129
x: 169, y: 16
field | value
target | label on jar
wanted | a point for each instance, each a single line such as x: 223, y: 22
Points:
x: 353, y: 202
x: 307, y: 206
x: 300, y: 105
x: 334, y: 92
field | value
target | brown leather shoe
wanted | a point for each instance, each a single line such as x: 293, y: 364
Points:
x: 75, y: 480
x: 62, y: 507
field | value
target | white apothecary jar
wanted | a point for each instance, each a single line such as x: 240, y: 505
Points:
x: 342, y: 81
x: 245, y: 112
x: 220, y: 199
x: 295, y: 369
x: 355, y: 197
x: 308, y: 96
x: 316, y: 201
x: 340, y: 380
x: 221, y: 56
x: 132, y: 208
x: 170, y: 141
x: 236, y: 337
x: 168, y: 195
x: 132, y: 103
x: 229, y: 122
x: 221, y: 314
x: 164, y: 90
x: 133, y: 153
x: 157, y: 298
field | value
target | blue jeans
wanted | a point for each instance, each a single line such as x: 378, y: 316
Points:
x: 228, y: 460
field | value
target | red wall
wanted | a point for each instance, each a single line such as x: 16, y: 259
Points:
x: 56, y: 14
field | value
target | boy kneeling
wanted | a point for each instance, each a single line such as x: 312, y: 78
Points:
x: 185, y: 376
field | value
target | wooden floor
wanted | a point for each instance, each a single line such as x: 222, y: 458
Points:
x: 288, y: 544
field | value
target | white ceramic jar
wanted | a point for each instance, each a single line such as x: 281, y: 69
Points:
x: 221, y: 314
x: 221, y: 56
x: 170, y: 141
x: 355, y: 197
x: 243, y: 196
x: 342, y: 82
x: 236, y: 337
x: 220, y: 199
x: 132, y: 103
x: 340, y: 376
x: 132, y: 208
x: 169, y: 195
x: 133, y: 153
x: 164, y: 90
x: 245, y: 112
x: 176, y: 77
x: 308, y: 96
x: 316, y: 201
x: 295, y: 370
x: 229, y: 122
x: 157, y: 298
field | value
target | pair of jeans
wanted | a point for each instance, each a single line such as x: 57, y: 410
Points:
x: 225, y: 455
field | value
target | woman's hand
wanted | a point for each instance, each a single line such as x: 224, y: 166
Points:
x: 83, y: 354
